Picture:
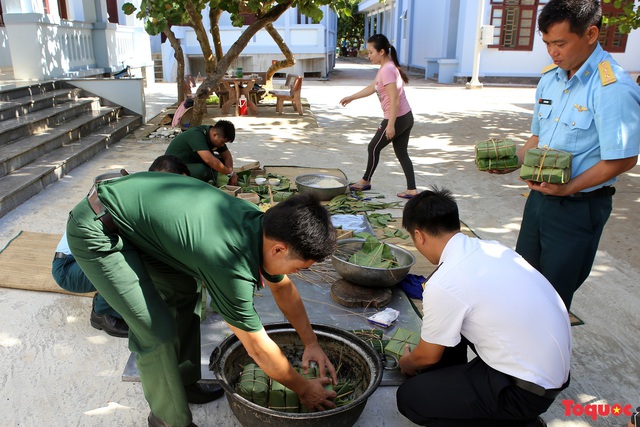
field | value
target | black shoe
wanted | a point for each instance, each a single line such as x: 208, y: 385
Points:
x: 200, y: 393
x: 157, y: 422
x: 111, y: 325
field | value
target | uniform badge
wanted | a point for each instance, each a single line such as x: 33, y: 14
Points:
x: 580, y: 108
x: 607, y: 75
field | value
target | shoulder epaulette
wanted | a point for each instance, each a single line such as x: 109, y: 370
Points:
x: 548, y: 68
x: 606, y: 73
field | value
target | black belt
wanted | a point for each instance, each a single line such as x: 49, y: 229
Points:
x: 60, y: 255
x: 600, y: 192
x: 100, y: 210
x: 537, y: 389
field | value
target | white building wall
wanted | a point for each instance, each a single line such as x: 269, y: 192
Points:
x: 313, y: 45
x: 428, y: 41
x: 5, y: 53
x: 630, y: 60
x: 84, y: 44
x: 496, y: 62
x: 451, y: 34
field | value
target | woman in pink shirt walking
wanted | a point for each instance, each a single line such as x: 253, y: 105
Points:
x: 398, y: 118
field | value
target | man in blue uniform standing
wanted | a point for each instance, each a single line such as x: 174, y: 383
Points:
x: 588, y: 105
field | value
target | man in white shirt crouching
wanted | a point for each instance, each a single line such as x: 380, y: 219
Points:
x: 485, y: 296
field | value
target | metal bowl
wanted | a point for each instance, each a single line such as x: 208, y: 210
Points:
x: 358, y: 360
x: 369, y: 276
x: 308, y: 184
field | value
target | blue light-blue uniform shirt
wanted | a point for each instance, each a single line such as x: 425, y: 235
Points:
x: 586, y: 118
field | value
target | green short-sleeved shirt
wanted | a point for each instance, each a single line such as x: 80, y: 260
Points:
x: 186, y: 145
x: 198, y: 230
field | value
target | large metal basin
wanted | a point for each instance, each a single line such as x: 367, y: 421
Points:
x: 309, y: 184
x: 358, y: 359
x: 369, y: 276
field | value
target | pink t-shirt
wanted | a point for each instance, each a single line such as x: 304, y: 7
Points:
x: 388, y: 73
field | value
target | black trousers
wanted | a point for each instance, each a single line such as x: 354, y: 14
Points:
x: 559, y: 237
x: 400, y: 147
x: 456, y: 393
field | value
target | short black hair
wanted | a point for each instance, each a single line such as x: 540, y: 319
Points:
x: 225, y: 129
x: 304, y: 225
x: 171, y: 164
x: 581, y: 14
x: 433, y: 211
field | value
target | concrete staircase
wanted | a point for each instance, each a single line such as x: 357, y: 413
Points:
x: 46, y: 130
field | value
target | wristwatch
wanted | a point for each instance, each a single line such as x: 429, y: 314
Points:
x: 231, y: 174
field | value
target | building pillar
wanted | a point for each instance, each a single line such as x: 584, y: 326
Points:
x: 475, y: 82
x: 36, y: 52
x: 104, y: 45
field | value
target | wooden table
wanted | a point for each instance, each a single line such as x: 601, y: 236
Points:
x: 239, y: 86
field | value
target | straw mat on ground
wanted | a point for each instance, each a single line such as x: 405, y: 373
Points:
x: 25, y: 263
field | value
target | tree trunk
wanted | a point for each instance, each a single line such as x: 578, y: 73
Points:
x: 234, y: 51
x: 214, y: 20
x: 179, y: 55
x: 288, y: 61
x: 196, y: 21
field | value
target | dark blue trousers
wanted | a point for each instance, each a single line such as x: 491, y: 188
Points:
x: 559, y: 237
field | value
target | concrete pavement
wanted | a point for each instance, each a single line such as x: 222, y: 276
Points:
x: 59, y: 371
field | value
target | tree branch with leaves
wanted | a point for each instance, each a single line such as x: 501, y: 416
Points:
x: 628, y: 20
x: 161, y: 14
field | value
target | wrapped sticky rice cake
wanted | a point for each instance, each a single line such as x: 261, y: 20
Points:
x: 399, y: 339
x: 495, y: 149
x: 548, y: 158
x: 550, y: 175
x: 254, y: 385
x: 283, y: 399
x: 497, y: 164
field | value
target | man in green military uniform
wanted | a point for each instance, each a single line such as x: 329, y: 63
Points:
x: 196, y: 148
x: 588, y: 105
x: 146, y: 254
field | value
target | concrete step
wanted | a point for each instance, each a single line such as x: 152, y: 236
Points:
x: 32, y: 90
x: 22, y: 184
x: 19, y: 107
x: 39, y: 121
x: 24, y: 151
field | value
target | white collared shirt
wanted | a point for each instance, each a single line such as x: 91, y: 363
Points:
x: 507, y: 309
x: 63, y: 245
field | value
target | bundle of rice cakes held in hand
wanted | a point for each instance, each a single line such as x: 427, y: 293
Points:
x: 496, y: 154
x: 544, y: 164
x: 255, y: 386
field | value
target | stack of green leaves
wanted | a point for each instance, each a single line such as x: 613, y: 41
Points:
x: 373, y: 337
x: 400, y: 338
x: 374, y: 254
x: 254, y: 385
x: 283, y: 399
x: 496, y: 154
x: 544, y: 164
x: 348, y: 204
x: 382, y: 220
